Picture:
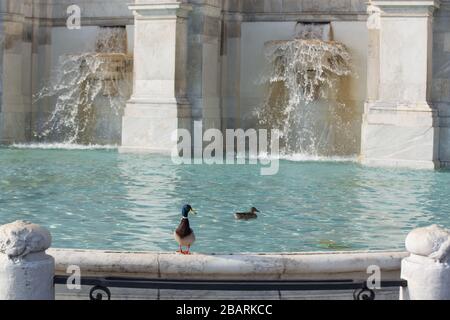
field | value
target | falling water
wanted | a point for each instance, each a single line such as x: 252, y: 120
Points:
x: 303, y: 84
x: 89, y: 91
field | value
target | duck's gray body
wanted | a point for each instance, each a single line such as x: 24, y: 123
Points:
x: 247, y: 215
x: 185, y: 241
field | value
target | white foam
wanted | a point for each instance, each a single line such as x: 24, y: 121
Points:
x: 298, y: 157
x: 62, y: 146
x: 302, y: 157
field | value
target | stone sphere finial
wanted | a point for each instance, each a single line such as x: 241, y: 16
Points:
x: 432, y: 242
x: 21, y: 238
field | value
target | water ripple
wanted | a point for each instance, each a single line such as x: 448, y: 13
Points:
x: 100, y: 199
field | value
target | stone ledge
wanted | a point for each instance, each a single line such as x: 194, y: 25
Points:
x: 401, y: 163
x: 156, y: 10
x: 419, y: 8
x: 339, y: 265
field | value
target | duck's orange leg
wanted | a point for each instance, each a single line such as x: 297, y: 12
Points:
x: 188, y: 252
x: 181, y: 250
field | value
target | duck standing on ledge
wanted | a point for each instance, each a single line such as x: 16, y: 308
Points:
x: 247, y: 215
x: 184, y: 235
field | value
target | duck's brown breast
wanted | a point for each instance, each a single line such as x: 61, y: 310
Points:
x: 184, y: 229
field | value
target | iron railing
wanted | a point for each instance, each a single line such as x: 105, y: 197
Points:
x: 100, y: 285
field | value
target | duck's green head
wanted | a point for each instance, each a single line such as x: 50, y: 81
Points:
x: 186, y: 210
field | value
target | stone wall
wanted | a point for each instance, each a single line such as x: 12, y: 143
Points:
x: 98, y: 12
x: 295, y: 8
x: 33, y: 35
x: 224, y: 54
x: 249, y: 24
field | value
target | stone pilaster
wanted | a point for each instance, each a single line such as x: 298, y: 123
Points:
x: 15, y: 71
x: 441, y: 77
x: 400, y: 127
x: 231, y: 65
x: 159, y: 104
x: 204, y: 81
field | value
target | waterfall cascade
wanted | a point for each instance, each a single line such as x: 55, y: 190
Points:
x: 89, y: 92
x: 303, y: 100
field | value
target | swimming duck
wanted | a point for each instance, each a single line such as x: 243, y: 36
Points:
x: 184, y: 235
x: 247, y: 215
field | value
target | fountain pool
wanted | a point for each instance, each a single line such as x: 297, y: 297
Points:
x: 100, y: 199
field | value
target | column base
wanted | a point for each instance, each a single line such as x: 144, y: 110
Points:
x: 400, y: 135
x: 14, y: 127
x: 148, y: 127
x: 399, y: 163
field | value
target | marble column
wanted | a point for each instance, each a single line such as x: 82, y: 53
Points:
x: 400, y: 126
x: 159, y: 105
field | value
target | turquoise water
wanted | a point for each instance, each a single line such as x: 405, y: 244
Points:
x: 100, y: 199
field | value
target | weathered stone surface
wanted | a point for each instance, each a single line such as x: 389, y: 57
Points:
x: 432, y: 242
x: 159, y: 105
x: 340, y: 265
x: 26, y: 272
x: 427, y: 270
x: 402, y: 112
x: 20, y: 238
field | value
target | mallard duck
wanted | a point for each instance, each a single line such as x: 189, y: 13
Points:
x: 247, y: 215
x: 184, y: 235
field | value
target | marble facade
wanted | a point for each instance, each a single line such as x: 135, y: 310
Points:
x: 199, y: 60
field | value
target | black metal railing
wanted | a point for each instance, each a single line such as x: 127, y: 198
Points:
x: 100, y: 286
